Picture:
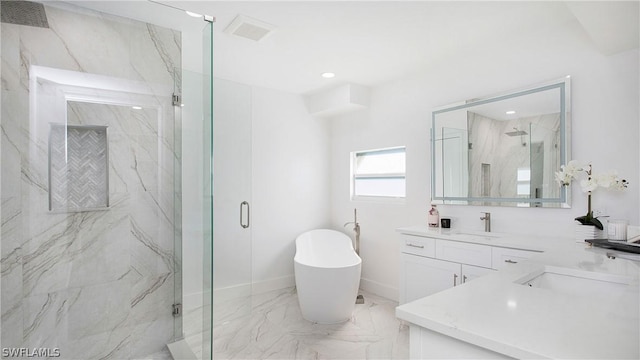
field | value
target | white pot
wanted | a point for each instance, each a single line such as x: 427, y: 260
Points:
x: 583, y: 232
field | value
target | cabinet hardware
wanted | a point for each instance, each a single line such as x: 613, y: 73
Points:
x: 455, y: 277
x: 464, y: 279
x: 510, y: 261
x: 416, y: 246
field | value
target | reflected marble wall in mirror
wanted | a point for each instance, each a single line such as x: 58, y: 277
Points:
x: 503, y: 150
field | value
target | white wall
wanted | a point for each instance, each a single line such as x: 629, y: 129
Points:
x: 290, y: 182
x: 605, y: 130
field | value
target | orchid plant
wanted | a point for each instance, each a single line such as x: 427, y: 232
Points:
x: 610, y: 181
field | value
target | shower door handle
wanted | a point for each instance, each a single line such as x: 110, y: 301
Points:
x: 244, y: 205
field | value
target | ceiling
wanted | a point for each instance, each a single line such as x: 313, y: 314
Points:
x: 373, y: 42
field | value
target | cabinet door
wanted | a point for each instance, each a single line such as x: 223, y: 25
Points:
x: 421, y: 276
x: 470, y: 272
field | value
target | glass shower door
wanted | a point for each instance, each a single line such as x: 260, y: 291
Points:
x: 232, y: 201
x: 232, y: 218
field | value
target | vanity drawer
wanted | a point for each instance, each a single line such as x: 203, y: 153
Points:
x: 464, y: 253
x: 418, y: 245
x: 502, y: 257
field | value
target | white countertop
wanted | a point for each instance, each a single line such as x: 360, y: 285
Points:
x: 525, y: 242
x: 498, y: 313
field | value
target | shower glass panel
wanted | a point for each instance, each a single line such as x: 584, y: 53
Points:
x: 90, y: 196
x: 207, y: 176
x: 232, y: 250
x: 177, y: 158
x: 197, y: 225
x: 232, y: 245
x: 196, y: 213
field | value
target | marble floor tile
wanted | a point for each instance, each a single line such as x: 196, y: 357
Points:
x: 164, y: 354
x: 275, y: 329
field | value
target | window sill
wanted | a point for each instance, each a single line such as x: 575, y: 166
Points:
x: 380, y: 199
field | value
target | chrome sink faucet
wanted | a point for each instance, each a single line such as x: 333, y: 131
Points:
x: 487, y: 221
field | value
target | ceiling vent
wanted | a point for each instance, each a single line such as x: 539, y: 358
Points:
x: 249, y: 28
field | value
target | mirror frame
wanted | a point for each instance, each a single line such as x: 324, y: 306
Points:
x: 563, y: 201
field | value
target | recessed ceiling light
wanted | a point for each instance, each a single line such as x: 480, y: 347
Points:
x: 193, y: 14
x: 136, y: 107
x: 328, y: 75
x: 510, y: 112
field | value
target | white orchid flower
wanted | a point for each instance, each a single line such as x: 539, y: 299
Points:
x: 570, y: 171
x: 606, y: 180
x: 619, y: 185
x: 588, y: 185
x: 573, y: 167
x: 563, y: 178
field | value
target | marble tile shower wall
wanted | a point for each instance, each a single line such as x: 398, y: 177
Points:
x: 512, y: 153
x: 95, y: 284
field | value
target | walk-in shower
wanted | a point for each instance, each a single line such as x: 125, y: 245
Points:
x: 93, y: 237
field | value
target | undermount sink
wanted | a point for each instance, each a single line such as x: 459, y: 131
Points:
x: 576, y: 282
x: 481, y: 234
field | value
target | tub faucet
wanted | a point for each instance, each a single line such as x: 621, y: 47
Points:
x: 487, y: 221
x: 356, y: 228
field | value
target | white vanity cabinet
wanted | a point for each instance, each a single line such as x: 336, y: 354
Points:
x: 430, y: 264
x: 422, y: 276
x: 500, y: 316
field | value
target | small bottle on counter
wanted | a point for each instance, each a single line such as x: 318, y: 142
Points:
x: 434, y: 217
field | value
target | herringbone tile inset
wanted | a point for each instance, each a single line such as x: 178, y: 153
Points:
x: 78, y: 167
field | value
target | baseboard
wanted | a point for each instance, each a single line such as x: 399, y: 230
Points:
x: 379, y: 289
x: 258, y: 287
x: 264, y: 286
x: 231, y: 293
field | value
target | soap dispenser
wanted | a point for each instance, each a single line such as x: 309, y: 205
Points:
x: 434, y: 216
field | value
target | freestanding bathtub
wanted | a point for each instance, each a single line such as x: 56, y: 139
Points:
x: 327, y: 272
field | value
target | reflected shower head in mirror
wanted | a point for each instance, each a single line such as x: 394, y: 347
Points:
x: 516, y: 132
x: 24, y: 13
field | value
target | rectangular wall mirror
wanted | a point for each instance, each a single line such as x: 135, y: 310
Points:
x: 503, y: 150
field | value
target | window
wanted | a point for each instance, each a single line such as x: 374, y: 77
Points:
x: 523, y: 185
x: 378, y: 173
